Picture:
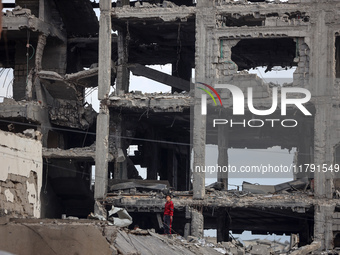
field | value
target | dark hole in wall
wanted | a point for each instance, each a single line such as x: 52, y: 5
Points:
x: 298, y: 16
x: 249, y: 20
x: 66, y: 188
x: 337, y: 240
x: 251, y: 53
x: 337, y: 56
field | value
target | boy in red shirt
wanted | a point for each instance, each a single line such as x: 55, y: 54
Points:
x: 168, y: 213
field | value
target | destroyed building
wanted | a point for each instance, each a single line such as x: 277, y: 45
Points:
x: 58, y: 49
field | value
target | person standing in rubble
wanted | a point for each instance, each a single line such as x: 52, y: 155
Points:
x: 168, y: 214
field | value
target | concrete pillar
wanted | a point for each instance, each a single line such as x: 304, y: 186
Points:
x: 323, y: 222
x: 223, y: 136
x: 103, y: 118
x: 197, y: 223
x: 102, y: 151
x: 199, y: 137
x: 323, y: 150
x: 123, y: 73
x: 104, y: 65
x: 321, y: 88
x: 198, y: 121
x: 187, y: 226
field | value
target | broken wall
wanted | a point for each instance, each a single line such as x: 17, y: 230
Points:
x: 20, y: 175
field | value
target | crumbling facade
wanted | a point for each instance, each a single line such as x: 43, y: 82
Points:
x: 58, y: 48
x: 21, y: 175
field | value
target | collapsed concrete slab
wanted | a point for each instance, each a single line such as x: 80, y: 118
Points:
x: 20, y: 19
x: 31, y: 111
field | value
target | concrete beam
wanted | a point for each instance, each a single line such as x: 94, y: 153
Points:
x: 34, y: 24
x: 75, y: 153
x: 31, y: 111
x: 176, y: 13
x: 173, y: 81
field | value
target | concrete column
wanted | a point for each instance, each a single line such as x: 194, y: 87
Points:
x: 104, y: 65
x: 187, y: 226
x: 199, y: 137
x: 323, y: 231
x: 198, y: 121
x: 197, y: 223
x: 123, y: 73
x: 102, y: 151
x: 321, y: 87
x: 223, y: 136
x: 103, y: 118
x: 323, y: 150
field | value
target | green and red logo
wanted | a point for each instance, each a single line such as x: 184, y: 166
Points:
x: 204, y: 97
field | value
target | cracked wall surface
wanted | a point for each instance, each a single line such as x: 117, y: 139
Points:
x: 20, y: 176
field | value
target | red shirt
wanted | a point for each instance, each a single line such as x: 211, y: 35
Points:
x: 169, y: 208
